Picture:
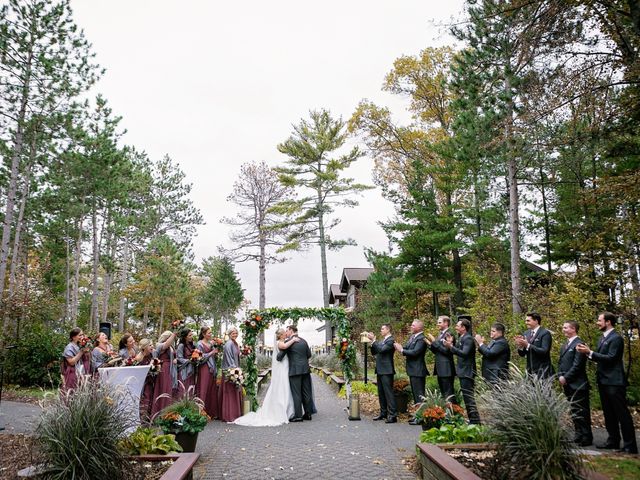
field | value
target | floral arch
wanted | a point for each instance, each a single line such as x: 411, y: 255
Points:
x: 258, y: 321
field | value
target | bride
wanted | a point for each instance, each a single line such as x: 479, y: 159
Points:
x: 277, y: 407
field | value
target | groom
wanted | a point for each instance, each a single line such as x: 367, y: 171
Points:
x: 299, y: 375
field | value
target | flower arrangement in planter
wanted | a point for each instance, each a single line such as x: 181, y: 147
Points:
x: 147, y: 441
x: 185, y: 419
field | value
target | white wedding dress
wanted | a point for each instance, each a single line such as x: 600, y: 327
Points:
x: 277, y: 407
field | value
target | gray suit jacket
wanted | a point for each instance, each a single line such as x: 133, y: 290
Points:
x: 299, y: 354
x: 495, y: 359
x: 466, y: 353
x: 444, y: 365
x: 414, y: 350
x: 383, y: 351
x: 572, y: 365
x: 608, y: 355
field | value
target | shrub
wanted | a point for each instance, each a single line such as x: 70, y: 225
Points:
x: 79, y: 431
x: 358, y: 387
x: 450, y: 433
x: 146, y: 441
x: 36, y: 359
x: 530, y: 422
x: 186, y: 415
x: 330, y: 361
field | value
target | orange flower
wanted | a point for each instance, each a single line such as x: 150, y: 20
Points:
x: 258, y: 318
x: 195, y: 355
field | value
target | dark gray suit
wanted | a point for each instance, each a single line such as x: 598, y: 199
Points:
x: 414, y: 351
x: 495, y: 360
x: 539, y: 352
x: 383, y: 351
x: 612, y: 386
x: 466, y: 371
x: 572, y: 365
x: 444, y: 366
x: 299, y: 354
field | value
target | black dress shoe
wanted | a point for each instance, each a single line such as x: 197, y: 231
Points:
x: 413, y: 421
x: 631, y: 450
x: 608, y: 446
x: 380, y: 417
x: 295, y: 419
x: 306, y: 416
x: 391, y: 420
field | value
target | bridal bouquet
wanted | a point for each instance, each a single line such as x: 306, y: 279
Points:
x: 235, y: 375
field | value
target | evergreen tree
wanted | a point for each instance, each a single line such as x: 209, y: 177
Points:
x: 222, y: 294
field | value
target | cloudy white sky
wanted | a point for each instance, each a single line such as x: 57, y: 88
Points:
x: 217, y: 84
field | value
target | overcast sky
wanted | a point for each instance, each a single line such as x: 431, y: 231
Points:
x: 217, y: 84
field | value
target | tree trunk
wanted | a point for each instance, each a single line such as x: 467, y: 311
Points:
x: 76, y: 274
x: 108, y: 274
x: 262, y: 266
x: 457, y: 264
x: 93, y: 318
x: 547, y: 229
x: 161, y: 323
x: 18, y: 145
x: 514, y: 218
x: 124, y: 274
x: 323, y: 253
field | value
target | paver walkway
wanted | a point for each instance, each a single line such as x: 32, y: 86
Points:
x: 329, y: 446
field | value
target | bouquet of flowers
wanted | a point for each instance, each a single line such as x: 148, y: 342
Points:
x: 130, y: 362
x: 111, y: 358
x: 218, y: 344
x: 86, y: 342
x: 344, y: 346
x: 246, y: 350
x: 235, y: 375
x: 176, y: 326
x: 155, y: 367
x: 196, y: 357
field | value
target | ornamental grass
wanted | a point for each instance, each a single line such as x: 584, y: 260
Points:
x: 530, y: 422
x: 79, y: 431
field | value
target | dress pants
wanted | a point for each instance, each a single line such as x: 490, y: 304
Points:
x: 446, y: 388
x: 301, y: 393
x: 467, y: 386
x: 417, y: 387
x: 580, y: 412
x: 616, y: 415
x: 385, y: 396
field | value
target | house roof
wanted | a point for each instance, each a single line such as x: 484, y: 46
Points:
x: 334, y: 292
x: 354, y: 276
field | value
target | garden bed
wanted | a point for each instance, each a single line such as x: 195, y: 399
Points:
x: 17, y: 453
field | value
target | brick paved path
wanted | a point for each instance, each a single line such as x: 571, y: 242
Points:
x: 329, y: 446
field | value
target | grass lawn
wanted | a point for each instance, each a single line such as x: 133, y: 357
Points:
x: 26, y: 394
x: 616, y: 468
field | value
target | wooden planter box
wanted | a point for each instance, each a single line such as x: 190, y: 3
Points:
x: 182, y: 468
x: 436, y: 464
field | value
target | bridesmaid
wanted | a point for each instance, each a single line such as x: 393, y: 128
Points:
x: 144, y: 357
x: 206, y: 388
x: 101, y: 352
x: 73, y: 364
x: 127, y: 347
x: 230, y: 396
x: 186, y: 372
x: 167, y: 379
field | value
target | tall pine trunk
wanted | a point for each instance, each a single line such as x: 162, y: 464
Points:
x: 75, y: 292
x: 93, y: 318
x: 124, y: 277
x: 323, y: 251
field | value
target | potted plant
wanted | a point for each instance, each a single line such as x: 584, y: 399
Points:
x: 401, y: 391
x: 185, y: 419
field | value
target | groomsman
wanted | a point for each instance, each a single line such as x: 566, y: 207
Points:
x: 383, y: 351
x: 572, y: 375
x: 495, y: 355
x: 466, y: 367
x: 414, y: 351
x: 535, y: 344
x: 444, y: 367
x: 612, y: 385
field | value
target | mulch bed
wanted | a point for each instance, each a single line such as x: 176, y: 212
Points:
x: 15, y: 396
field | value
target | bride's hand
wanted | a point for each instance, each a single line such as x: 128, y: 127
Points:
x: 295, y: 339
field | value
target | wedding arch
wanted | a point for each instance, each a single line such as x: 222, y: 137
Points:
x: 259, y: 320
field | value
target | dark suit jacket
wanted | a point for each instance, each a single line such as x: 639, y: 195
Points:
x: 383, y: 350
x: 572, y: 365
x: 466, y: 352
x: 299, y: 354
x: 539, y: 353
x: 443, y: 366
x: 608, y: 355
x: 414, y: 350
x: 495, y: 359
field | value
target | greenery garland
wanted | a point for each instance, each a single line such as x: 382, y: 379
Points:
x: 259, y: 320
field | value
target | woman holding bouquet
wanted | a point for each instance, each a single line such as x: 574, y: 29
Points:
x: 102, y: 352
x: 186, y: 359
x: 206, y: 388
x: 127, y: 347
x: 145, y: 357
x: 167, y: 379
x: 230, y: 394
x: 74, y: 364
